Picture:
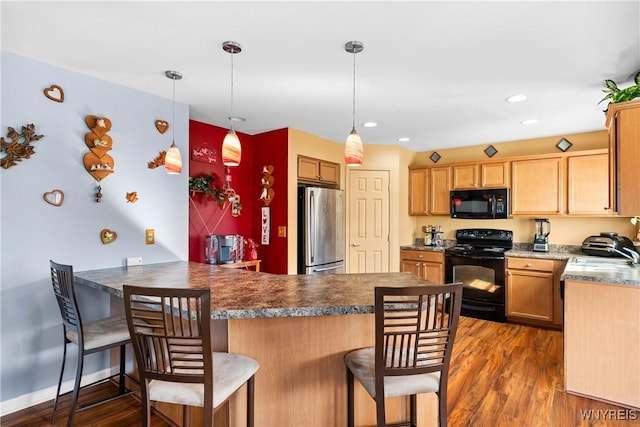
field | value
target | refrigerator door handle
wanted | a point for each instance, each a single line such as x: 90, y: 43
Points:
x: 335, y: 267
x: 312, y: 226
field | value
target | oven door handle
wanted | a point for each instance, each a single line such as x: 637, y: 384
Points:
x: 475, y: 257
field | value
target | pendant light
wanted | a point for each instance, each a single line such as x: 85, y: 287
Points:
x: 353, y: 151
x: 231, y: 149
x: 172, y: 159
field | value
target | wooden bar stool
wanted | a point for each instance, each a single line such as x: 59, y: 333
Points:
x: 415, y: 329
x: 91, y: 337
x: 173, y: 351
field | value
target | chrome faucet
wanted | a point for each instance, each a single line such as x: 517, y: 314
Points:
x: 630, y: 254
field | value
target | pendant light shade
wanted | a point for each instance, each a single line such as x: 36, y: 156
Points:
x: 353, y: 151
x: 172, y: 159
x: 231, y: 148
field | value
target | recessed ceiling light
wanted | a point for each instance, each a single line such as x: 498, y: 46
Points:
x: 404, y: 139
x: 369, y: 124
x: 529, y: 121
x: 516, y: 98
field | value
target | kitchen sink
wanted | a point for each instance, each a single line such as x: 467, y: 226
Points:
x: 600, y: 264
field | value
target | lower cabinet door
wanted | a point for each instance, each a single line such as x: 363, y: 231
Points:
x: 411, y: 266
x: 530, y: 295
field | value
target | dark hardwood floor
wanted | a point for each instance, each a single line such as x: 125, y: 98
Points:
x: 501, y: 375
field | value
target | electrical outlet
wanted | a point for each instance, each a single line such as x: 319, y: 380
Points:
x: 136, y: 260
x: 150, y: 236
x: 282, y: 231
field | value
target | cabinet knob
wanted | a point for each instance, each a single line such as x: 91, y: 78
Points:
x: 528, y: 264
x: 417, y: 264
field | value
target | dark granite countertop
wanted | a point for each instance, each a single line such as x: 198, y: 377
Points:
x: 238, y: 294
x: 622, y: 276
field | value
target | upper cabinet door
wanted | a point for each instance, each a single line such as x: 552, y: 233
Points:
x: 588, y: 185
x: 465, y: 176
x: 318, y: 171
x: 537, y: 186
x: 439, y: 188
x: 623, y: 121
x: 495, y: 175
x: 480, y: 175
x: 418, y: 184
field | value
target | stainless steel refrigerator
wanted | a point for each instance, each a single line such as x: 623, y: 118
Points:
x: 320, y: 230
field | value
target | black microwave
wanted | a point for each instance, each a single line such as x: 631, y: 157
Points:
x: 480, y: 204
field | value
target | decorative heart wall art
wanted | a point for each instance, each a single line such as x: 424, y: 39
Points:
x: 98, y: 167
x: 99, y: 145
x: 97, y: 162
x: 54, y: 93
x: 99, y: 125
x: 54, y: 197
x: 108, y: 236
x: 162, y: 125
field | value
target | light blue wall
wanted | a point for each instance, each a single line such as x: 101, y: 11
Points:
x: 32, y: 231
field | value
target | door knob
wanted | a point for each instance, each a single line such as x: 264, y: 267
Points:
x: 354, y: 244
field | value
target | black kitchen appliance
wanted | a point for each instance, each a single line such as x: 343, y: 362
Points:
x: 478, y: 261
x: 480, y: 204
x: 609, y: 244
x: 541, y: 238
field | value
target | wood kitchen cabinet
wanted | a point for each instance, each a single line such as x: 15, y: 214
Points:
x: 588, y: 185
x: 429, y: 190
x: 480, y: 175
x: 426, y: 264
x: 623, y: 122
x: 418, y: 186
x: 537, y: 186
x: 318, y: 171
x: 533, y: 291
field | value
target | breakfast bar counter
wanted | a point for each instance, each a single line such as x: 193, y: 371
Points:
x: 298, y: 327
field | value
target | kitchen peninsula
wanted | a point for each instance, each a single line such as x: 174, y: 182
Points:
x: 602, y: 329
x: 298, y: 327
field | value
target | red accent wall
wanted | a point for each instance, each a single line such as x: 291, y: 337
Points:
x: 271, y: 148
x: 217, y: 220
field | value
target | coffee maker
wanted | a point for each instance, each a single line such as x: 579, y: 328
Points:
x: 540, y: 240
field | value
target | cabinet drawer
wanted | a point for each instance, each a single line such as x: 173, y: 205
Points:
x: 530, y: 264
x: 428, y: 256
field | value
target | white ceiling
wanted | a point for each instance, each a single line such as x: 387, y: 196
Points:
x: 437, y: 72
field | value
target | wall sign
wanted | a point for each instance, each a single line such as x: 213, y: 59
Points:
x: 204, y: 153
x: 265, y: 225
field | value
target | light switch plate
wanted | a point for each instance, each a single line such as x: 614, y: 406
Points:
x: 150, y: 236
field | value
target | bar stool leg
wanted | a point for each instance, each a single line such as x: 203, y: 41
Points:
x: 64, y: 358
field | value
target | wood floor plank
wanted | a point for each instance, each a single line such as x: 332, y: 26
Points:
x: 501, y: 375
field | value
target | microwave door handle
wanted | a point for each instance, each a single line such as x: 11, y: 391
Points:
x: 492, y: 206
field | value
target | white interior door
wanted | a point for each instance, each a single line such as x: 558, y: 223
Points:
x: 368, y: 220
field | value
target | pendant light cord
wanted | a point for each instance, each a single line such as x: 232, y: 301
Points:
x: 354, y: 90
x: 231, y: 53
x: 173, y: 114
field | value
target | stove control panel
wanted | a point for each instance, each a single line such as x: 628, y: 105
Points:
x: 467, y: 234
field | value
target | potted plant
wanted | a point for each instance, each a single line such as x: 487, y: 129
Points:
x: 615, y: 94
x: 209, y: 184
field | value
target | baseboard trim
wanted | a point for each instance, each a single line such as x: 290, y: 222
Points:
x: 31, y: 399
